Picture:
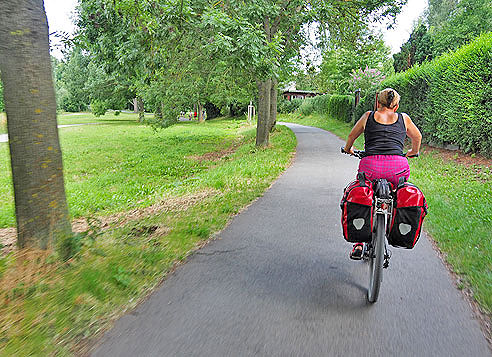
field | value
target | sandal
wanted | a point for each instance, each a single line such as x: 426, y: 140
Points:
x: 357, y: 250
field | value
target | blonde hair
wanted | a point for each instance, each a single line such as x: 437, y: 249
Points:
x: 389, y: 98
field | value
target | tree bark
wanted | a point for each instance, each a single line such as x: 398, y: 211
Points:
x: 262, y: 128
x: 200, y: 113
x: 37, y: 169
x: 273, y: 105
x: 158, y: 111
x: 135, y: 105
x: 140, y: 108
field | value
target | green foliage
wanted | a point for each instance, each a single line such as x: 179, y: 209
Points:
x: 288, y: 106
x: 321, y: 103
x: 341, y: 107
x: 449, y: 25
x: 210, y: 52
x: 70, y: 80
x: 307, y: 106
x: 450, y: 98
x: 98, y: 107
x: 463, y: 21
x: 366, y: 80
x: 336, y: 106
x: 340, y: 62
x: 415, y: 51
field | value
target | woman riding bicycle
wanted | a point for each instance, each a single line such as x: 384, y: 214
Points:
x: 384, y: 131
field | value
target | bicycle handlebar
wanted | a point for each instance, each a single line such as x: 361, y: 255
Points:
x: 360, y: 153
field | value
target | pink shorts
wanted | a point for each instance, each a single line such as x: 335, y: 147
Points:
x: 389, y: 167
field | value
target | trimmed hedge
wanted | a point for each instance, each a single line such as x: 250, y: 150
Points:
x: 341, y: 107
x: 337, y: 106
x: 285, y: 106
x: 450, y: 98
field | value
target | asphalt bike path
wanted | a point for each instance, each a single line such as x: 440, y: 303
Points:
x: 278, y: 282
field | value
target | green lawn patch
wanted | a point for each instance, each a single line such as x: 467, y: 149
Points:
x: 460, y: 209
x: 120, y: 164
x: 83, y: 118
x: 48, y: 307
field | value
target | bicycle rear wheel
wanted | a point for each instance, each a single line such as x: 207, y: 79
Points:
x: 376, y: 259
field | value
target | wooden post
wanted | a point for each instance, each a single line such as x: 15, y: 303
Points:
x: 251, y: 112
x: 357, y: 96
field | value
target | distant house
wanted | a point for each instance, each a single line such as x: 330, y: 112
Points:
x: 290, y: 94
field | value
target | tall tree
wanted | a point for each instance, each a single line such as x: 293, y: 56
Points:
x: 37, y: 170
x: 278, y: 26
x: 340, y: 60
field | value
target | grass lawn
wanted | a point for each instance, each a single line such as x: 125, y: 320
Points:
x: 460, y: 209
x: 187, y: 181
x: 81, y: 118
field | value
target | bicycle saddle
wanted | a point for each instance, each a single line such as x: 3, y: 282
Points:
x: 382, y: 189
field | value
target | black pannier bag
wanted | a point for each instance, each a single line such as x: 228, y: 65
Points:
x: 409, y: 211
x: 357, y: 209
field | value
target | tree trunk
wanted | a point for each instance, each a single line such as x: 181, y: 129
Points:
x: 273, y: 105
x: 158, y: 111
x: 37, y: 169
x: 262, y: 129
x: 140, y: 109
x: 200, y: 113
x: 135, y: 105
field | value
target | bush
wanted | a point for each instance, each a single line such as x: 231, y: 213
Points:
x: 307, y: 106
x: 337, y: 106
x: 341, y: 107
x: 285, y: 106
x: 117, y: 112
x: 321, y: 103
x: 450, y: 98
x: 98, y: 107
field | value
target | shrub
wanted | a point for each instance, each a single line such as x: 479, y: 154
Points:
x: 341, y: 107
x: 117, y: 112
x: 338, y: 106
x: 321, y: 103
x: 307, y: 106
x: 366, y: 80
x: 450, y: 98
x: 98, y: 107
x: 285, y: 106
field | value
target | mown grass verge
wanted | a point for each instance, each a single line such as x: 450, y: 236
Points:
x: 120, y: 164
x: 460, y: 209
x: 48, y: 307
x: 82, y: 118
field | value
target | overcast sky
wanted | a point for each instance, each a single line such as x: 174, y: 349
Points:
x: 60, y: 13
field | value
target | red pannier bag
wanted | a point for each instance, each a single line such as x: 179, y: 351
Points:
x: 409, y: 211
x: 357, y: 209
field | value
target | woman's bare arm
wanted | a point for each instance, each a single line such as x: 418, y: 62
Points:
x: 355, y: 132
x: 414, y: 134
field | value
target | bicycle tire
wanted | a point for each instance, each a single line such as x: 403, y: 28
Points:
x: 376, y: 260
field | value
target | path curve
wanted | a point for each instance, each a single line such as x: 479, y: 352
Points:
x: 278, y: 282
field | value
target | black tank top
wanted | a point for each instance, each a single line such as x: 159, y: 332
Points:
x: 384, y: 139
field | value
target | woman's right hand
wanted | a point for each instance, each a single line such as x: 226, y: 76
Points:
x: 349, y: 150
